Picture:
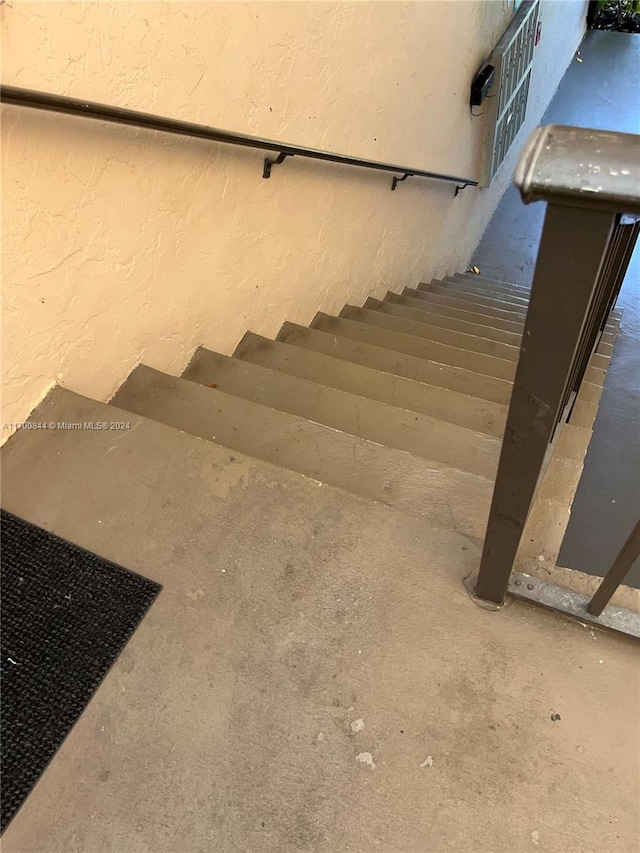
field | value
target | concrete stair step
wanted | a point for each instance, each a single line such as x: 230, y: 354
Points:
x: 390, y: 426
x: 584, y: 413
x: 601, y: 361
x: 358, y: 378
x: 493, y: 300
x: 444, y: 495
x: 420, y: 302
x: 594, y: 375
x: 492, y: 282
x: 469, y: 302
x: 516, y: 289
x: 457, y: 379
x: 468, y: 314
x: 430, y: 372
x: 393, y: 305
x: 591, y: 392
x: 609, y: 338
x: 415, y: 346
x: 453, y: 285
x: 573, y: 442
x: 465, y: 341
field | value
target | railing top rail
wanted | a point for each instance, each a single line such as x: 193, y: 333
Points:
x: 579, y: 167
x: 89, y: 109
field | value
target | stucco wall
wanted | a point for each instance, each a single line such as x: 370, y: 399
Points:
x: 123, y: 245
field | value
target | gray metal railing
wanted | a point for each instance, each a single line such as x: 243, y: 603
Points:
x: 590, y: 180
x: 90, y: 109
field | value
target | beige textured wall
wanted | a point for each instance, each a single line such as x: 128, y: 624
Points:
x: 123, y: 245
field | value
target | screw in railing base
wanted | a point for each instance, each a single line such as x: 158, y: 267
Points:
x: 470, y: 585
x: 573, y: 605
x: 273, y: 161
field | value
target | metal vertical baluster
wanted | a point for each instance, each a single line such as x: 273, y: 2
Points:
x: 629, y: 553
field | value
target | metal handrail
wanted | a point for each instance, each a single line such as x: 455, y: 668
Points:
x: 89, y: 109
x: 581, y: 167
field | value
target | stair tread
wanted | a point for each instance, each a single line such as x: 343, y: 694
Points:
x: 357, y: 414
x: 362, y: 379
x: 395, y: 477
x: 430, y: 372
x: 460, y: 291
x: 417, y: 346
x: 449, y: 320
x: 468, y: 302
x: 388, y: 425
x: 411, y: 483
x: 615, y: 314
x: 463, y: 340
x: 466, y: 286
x: 496, y: 281
x: 469, y: 314
x: 105, y: 477
x: 393, y: 304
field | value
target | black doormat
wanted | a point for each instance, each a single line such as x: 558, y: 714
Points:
x: 66, y: 616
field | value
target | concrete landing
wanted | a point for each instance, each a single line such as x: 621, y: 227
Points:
x: 313, y: 676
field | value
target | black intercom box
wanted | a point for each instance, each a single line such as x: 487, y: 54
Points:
x: 482, y: 82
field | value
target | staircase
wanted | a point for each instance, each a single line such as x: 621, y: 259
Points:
x: 313, y: 675
x: 402, y: 401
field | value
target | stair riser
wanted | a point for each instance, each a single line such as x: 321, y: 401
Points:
x: 605, y: 346
x: 584, y: 414
x: 358, y: 416
x: 544, y: 531
x: 467, y: 304
x: 472, y: 343
x: 469, y: 316
x: 390, y: 425
x: 494, y: 300
x: 418, y: 347
x: 443, y: 495
x: 601, y: 359
x: 591, y: 393
x: 452, y: 407
x: 492, y: 283
x: 446, y: 497
x: 397, y: 309
x: 489, y: 286
x: 400, y: 364
x: 519, y: 298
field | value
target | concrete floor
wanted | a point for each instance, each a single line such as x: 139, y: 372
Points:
x: 602, y: 91
x: 313, y: 677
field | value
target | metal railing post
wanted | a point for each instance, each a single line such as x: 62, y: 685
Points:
x: 629, y: 553
x: 572, y: 250
x: 588, y: 179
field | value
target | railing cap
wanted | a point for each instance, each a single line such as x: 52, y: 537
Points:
x: 579, y: 167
